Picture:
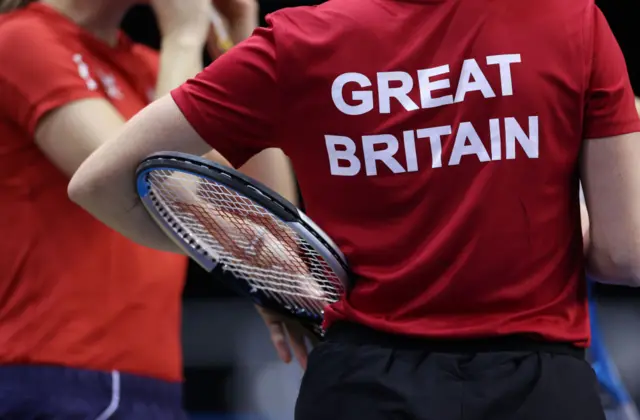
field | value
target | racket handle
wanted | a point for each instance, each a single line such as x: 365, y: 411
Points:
x: 223, y: 40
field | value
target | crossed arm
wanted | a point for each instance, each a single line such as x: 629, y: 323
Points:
x: 104, y: 186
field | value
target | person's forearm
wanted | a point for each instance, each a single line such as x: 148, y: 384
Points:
x: 104, y: 185
x: 140, y: 228
x: 120, y: 208
x: 244, y: 21
x: 126, y: 213
x: 180, y: 60
x: 600, y: 268
x: 272, y: 168
x: 593, y: 271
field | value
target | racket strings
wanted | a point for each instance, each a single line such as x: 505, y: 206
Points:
x: 264, y: 256
x: 248, y: 240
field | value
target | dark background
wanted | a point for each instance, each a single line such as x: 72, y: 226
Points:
x: 206, y: 386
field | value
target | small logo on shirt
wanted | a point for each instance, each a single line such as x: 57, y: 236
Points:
x: 110, y: 85
x: 83, y: 72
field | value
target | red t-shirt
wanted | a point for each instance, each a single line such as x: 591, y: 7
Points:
x: 73, y: 292
x: 437, y: 143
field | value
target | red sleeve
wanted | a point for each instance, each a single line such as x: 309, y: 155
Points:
x: 610, y: 102
x: 234, y: 103
x: 43, y: 74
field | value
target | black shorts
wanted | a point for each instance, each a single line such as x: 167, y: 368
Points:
x: 361, y: 374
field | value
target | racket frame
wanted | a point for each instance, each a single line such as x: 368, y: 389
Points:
x: 247, y: 187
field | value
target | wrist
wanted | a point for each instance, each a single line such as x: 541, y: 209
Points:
x: 181, y: 58
x: 241, y: 10
x: 183, y: 40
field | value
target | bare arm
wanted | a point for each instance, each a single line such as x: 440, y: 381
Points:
x: 273, y: 169
x: 69, y: 134
x: 611, y: 182
x: 180, y: 59
x: 236, y: 99
x: 104, y: 186
x: 243, y: 17
x: 584, y: 213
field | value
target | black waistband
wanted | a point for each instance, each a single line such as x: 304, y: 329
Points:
x: 357, y: 334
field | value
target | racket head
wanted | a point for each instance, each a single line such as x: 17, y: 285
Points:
x: 225, y: 200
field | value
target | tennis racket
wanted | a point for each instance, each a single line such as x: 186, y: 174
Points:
x: 616, y: 400
x: 246, y: 235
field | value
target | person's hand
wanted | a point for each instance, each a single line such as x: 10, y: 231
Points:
x: 184, y: 20
x: 239, y: 18
x: 243, y: 17
x: 288, y: 337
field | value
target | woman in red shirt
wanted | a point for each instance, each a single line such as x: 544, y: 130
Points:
x: 89, y: 321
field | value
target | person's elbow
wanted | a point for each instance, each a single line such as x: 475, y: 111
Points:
x: 90, y: 185
x: 82, y: 187
x: 611, y: 179
x: 615, y: 266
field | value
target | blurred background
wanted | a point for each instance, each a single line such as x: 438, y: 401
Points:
x: 231, y: 370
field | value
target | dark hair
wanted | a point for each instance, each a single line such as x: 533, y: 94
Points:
x: 9, y: 5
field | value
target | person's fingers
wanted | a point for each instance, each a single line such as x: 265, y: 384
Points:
x: 298, y: 345
x: 277, y: 332
x: 279, y: 340
x: 219, y: 41
x: 213, y: 45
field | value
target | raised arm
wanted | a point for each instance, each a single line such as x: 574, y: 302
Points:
x: 70, y: 132
x: 52, y: 99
